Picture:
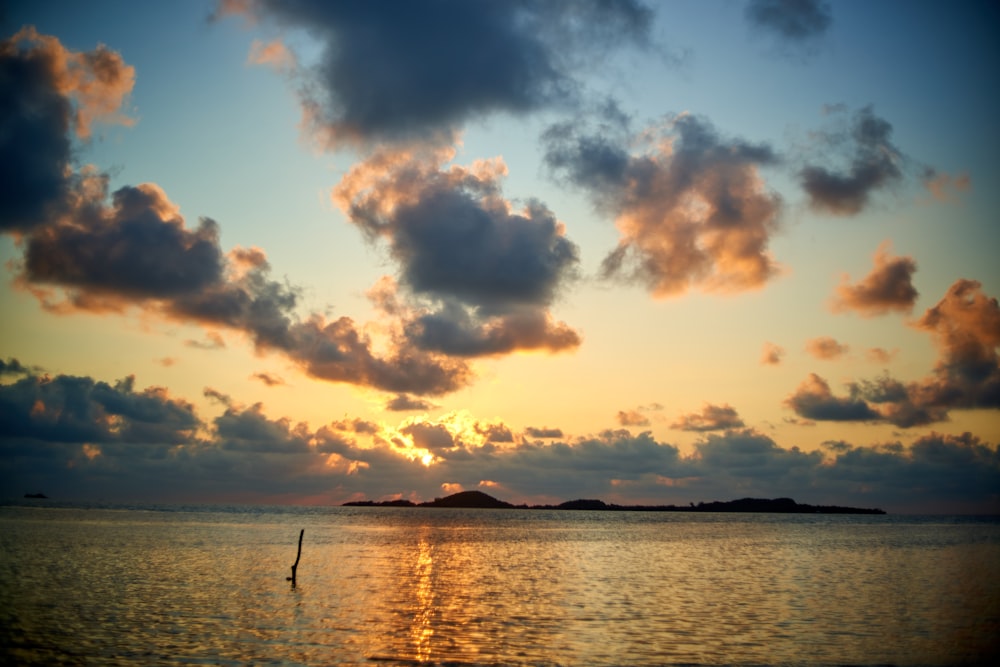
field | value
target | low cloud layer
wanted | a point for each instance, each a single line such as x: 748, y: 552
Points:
x: 692, y: 210
x: 85, y: 437
x: 424, y: 69
x: 889, y: 287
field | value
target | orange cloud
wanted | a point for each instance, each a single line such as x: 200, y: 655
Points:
x: 711, y: 418
x: 692, y: 210
x: 273, y: 54
x: 826, y: 347
x: 889, y: 287
x: 98, y: 82
x: 771, y: 354
x: 944, y: 186
x: 632, y: 418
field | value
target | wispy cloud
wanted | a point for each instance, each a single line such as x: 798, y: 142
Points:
x: 796, y: 21
x: 826, y: 347
x: 873, y: 163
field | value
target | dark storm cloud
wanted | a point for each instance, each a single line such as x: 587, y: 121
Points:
x: 413, y: 70
x: 793, y: 20
x: 711, y: 418
x: 477, y: 276
x: 874, y: 163
x: 889, y: 287
x: 692, y: 210
x: 48, y: 93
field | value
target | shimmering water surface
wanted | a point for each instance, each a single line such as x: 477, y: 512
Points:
x: 206, y: 585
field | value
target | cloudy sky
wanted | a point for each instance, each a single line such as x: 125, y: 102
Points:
x: 310, y: 252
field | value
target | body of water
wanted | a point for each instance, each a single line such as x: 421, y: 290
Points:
x: 207, y: 585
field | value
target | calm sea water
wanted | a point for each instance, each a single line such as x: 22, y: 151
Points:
x: 206, y: 585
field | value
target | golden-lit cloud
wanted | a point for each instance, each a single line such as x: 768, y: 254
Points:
x: 476, y: 277
x: 771, y: 354
x: 888, y: 287
x: 825, y: 347
x: 273, y: 54
x: 691, y: 209
x: 711, y: 418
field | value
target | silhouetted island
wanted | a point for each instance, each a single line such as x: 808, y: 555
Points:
x: 478, y: 499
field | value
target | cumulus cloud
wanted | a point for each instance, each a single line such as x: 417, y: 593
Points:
x: 944, y: 187
x: 873, y: 163
x: 423, y: 69
x: 632, y: 418
x: 813, y: 399
x: 88, y: 249
x: 771, y: 354
x: 796, y: 21
x: 888, y: 287
x: 72, y: 409
x: 826, y: 347
x: 691, y: 209
x: 476, y: 276
x: 51, y: 94
x: 711, y: 418
x: 965, y: 327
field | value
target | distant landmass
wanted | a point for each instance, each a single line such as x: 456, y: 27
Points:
x: 478, y: 499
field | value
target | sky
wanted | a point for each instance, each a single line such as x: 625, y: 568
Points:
x: 277, y: 251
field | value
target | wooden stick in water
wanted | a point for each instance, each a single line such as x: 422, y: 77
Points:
x: 297, y: 556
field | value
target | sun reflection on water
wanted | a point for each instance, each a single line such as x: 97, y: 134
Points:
x: 422, y: 630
